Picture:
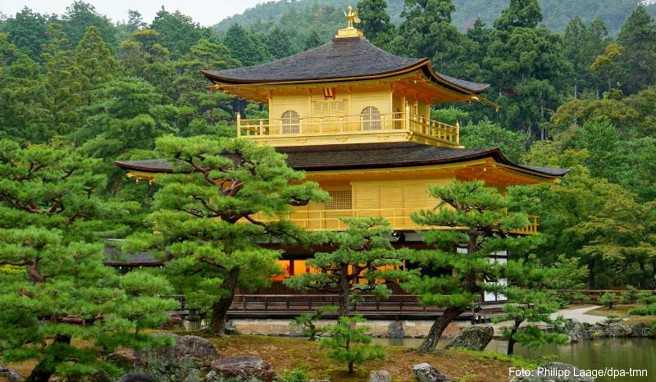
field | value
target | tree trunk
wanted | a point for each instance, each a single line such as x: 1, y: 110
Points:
x: 47, y: 366
x: 430, y: 342
x: 344, y: 293
x: 511, y: 338
x: 351, y: 369
x: 591, y: 274
x: 220, y: 308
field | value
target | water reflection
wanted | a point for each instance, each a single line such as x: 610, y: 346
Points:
x: 621, y: 353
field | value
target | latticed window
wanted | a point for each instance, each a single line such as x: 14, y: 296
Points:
x: 339, y: 200
x: 370, y: 117
x: 291, y: 122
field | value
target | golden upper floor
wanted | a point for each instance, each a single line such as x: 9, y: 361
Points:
x: 345, y: 91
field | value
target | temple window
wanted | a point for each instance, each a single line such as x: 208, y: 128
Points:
x: 340, y: 200
x: 370, y: 117
x: 291, y: 122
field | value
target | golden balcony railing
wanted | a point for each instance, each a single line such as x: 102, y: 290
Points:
x: 349, y: 125
x: 399, y: 218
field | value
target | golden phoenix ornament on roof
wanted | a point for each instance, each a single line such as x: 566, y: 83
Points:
x: 351, y: 17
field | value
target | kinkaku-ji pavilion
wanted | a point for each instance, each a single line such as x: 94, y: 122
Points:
x: 357, y: 120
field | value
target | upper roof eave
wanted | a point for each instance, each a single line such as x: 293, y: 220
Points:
x: 337, y: 61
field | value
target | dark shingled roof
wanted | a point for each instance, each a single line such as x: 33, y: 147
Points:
x: 388, y: 155
x: 115, y: 257
x: 338, y: 59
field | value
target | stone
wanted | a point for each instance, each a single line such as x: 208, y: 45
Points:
x: 473, y: 338
x: 614, y: 329
x: 424, y: 372
x: 641, y: 329
x: 244, y: 367
x: 137, y: 377
x: 195, y: 348
x: 554, y: 372
x: 126, y: 358
x: 10, y: 374
x: 396, y: 330
x: 380, y: 376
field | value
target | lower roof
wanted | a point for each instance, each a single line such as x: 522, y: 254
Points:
x: 362, y: 156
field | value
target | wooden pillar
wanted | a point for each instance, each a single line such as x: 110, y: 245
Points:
x: 238, y: 124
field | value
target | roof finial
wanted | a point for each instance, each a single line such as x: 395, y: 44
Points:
x: 351, y: 17
x: 350, y: 30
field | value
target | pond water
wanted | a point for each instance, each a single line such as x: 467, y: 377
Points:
x: 620, y: 353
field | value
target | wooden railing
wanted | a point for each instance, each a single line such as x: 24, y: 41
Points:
x: 531, y: 229
x: 256, y: 305
x: 399, y: 219
x: 348, y: 124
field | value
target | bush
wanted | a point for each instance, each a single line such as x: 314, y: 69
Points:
x: 630, y: 296
x: 295, y: 375
x: 608, y: 300
x: 646, y: 298
x: 350, y: 344
x: 646, y: 310
x: 307, y: 321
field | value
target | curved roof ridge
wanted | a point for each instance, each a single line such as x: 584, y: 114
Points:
x: 389, y: 155
x: 338, y: 59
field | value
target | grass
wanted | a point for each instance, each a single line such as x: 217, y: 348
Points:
x: 622, y: 311
x: 287, y: 353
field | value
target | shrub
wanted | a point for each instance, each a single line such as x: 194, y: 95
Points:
x: 630, y: 295
x: 294, y: 375
x: 645, y: 310
x: 350, y: 344
x: 608, y: 300
x: 646, y: 298
x: 307, y: 321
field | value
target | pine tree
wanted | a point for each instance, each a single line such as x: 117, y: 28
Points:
x: 375, y: 22
x: 63, y: 85
x: 638, y: 37
x: 81, y: 16
x: 362, y: 262
x: 313, y: 40
x: 216, y: 213
x: 279, y: 43
x: 453, y: 278
x: 519, y: 14
x: 532, y: 294
x: 95, y: 63
x: 189, y: 89
x: 178, y: 31
x: 27, y: 30
x: 245, y: 46
x: 426, y: 31
x: 55, y: 291
x: 346, y: 342
x: 23, y: 100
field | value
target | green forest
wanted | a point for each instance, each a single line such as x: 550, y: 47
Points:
x: 580, y: 99
x: 79, y: 91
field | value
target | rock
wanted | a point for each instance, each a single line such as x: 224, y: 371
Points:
x: 554, y: 372
x: 125, y: 358
x: 473, y: 338
x: 380, y: 376
x: 424, y: 372
x: 578, y: 331
x: 195, y: 348
x: 10, y: 374
x: 137, y: 377
x: 613, y: 329
x: 247, y: 366
x: 641, y: 329
x: 396, y: 330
